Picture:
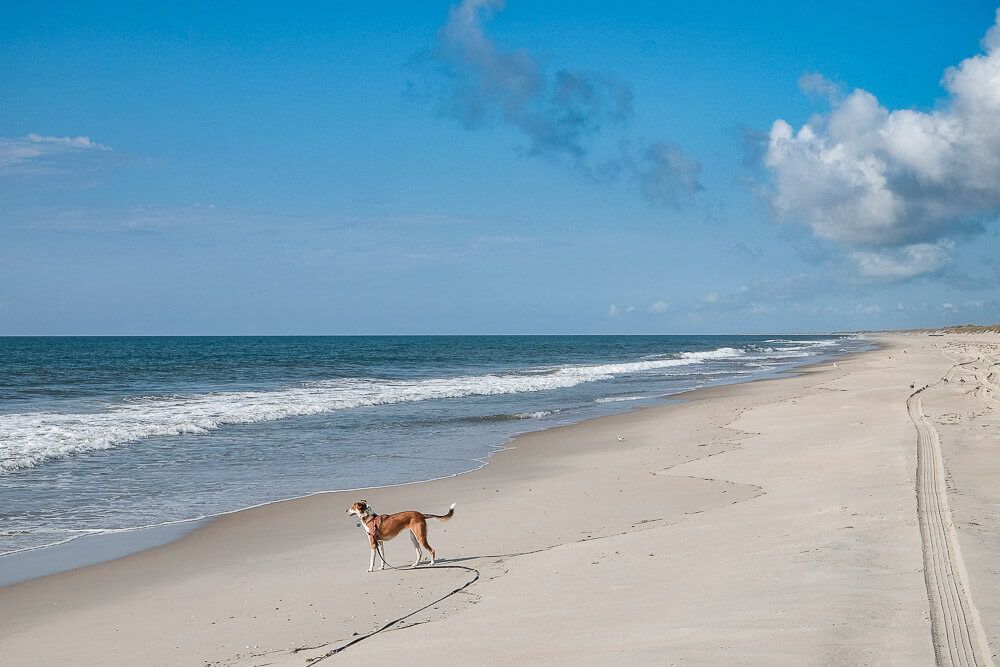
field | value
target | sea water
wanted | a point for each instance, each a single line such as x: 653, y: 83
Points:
x: 101, y: 434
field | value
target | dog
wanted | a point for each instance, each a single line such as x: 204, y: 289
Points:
x: 383, y: 527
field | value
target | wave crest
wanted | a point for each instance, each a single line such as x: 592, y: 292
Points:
x: 28, y: 439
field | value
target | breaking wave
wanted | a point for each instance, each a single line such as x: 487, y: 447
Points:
x: 619, y: 399
x: 28, y: 439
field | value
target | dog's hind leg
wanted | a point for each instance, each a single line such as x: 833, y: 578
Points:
x: 421, y: 533
x: 416, y: 545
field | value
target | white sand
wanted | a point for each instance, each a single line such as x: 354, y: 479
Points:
x: 773, y: 522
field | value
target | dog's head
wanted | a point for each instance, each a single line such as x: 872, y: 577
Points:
x: 360, y: 509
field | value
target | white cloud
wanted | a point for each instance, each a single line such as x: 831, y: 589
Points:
x: 815, y: 84
x: 871, y: 178
x: 906, y: 262
x: 614, y: 310
x: 658, y: 307
x: 40, y: 153
x: 69, y: 142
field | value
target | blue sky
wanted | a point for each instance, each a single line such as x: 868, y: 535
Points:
x: 534, y: 167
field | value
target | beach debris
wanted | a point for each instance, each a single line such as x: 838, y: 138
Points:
x: 621, y: 438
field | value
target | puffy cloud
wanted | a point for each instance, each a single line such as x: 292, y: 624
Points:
x: 614, y: 310
x: 871, y: 178
x: 906, y: 262
x: 36, y: 153
x: 658, y: 307
x: 562, y: 116
x: 991, y: 40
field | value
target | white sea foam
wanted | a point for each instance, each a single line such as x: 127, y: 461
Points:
x: 802, y: 344
x: 534, y: 415
x: 28, y: 439
x: 619, y: 399
x: 721, y: 353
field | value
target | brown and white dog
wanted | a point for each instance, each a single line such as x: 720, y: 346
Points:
x: 383, y: 527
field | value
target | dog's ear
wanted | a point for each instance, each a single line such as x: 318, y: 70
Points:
x: 362, y: 504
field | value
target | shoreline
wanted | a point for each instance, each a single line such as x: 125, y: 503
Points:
x: 771, y: 521
x: 111, y: 544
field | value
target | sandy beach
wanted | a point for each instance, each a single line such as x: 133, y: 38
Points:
x: 847, y: 514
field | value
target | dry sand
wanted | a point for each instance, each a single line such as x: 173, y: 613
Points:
x: 773, y: 522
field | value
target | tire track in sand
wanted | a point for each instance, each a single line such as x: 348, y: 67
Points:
x: 956, y: 631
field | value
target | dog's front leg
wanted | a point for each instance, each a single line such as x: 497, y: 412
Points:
x: 381, y: 557
x: 371, y: 563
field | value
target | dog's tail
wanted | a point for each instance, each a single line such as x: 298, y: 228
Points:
x: 443, y: 517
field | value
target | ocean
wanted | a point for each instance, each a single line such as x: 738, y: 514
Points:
x: 105, y: 434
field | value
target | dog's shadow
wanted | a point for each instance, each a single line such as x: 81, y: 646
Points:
x: 463, y: 559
